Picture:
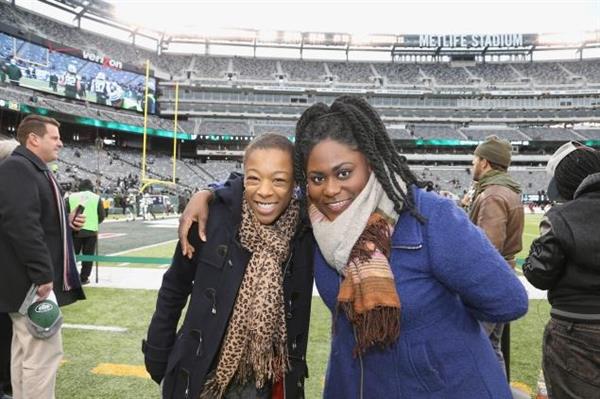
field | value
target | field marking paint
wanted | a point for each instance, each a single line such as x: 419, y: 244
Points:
x: 121, y: 370
x: 92, y: 327
x: 103, y: 236
x: 522, y: 387
x: 144, y: 247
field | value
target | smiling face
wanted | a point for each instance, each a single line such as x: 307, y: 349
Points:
x: 269, y: 182
x: 336, y: 174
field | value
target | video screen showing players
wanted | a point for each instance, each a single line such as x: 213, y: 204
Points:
x: 36, y: 67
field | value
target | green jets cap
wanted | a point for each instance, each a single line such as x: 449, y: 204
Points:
x: 44, y: 318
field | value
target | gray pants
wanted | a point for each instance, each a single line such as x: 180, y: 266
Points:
x: 571, y: 360
x: 494, y: 333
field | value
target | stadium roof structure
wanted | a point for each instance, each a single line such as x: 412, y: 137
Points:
x: 397, y: 45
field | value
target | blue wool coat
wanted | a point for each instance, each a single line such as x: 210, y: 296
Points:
x: 448, y: 277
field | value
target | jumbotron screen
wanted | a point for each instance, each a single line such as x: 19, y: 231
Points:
x: 36, y: 67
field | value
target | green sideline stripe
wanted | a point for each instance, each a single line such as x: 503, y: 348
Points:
x: 123, y: 259
x: 520, y: 261
x: 155, y: 261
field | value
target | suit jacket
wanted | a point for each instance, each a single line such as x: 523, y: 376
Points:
x: 30, y: 233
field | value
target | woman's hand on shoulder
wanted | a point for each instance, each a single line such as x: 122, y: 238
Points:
x: 195, y: 211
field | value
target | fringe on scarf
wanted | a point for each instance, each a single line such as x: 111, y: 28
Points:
x: 259, y: 364
x: 377, y: 327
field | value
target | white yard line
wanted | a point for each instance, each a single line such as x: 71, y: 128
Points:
x: 94, y: 328
x: 144, y: 247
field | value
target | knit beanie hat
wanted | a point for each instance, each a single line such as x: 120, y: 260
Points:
x: 495, y: 150
x: 568, y: 167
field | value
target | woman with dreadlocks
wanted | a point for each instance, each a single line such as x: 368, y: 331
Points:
x: 565, y: 261
x: 404, y: 273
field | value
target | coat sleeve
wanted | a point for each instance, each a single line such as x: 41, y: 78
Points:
x: 463, y: 260
x: 173, y: 294
x: 546, y: 261
x: 492, y: 218
x: 21, y: 212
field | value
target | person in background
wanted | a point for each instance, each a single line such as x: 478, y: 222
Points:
x: 6, y: 148
x: 3, y: 70
x: 105, y: 204
x: 13, y: 71
x: 246, y: 329
x: 147, y: 206
x: 36, y: 249
x: 565, y: 260
x: 496, y: 207
x: 86, y: 239
x: 407, y: 277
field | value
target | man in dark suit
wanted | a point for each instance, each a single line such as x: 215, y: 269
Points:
x: 36, y: 249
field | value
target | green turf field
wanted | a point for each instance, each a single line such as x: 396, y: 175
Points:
x: 530, y: 232
x: 132, y: 309
x: 100, y: 364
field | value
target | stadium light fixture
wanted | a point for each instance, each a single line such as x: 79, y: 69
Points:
x: 269, y: 36
x: 562, y: 38
x: 379, y: 40
x: 292, y: 37
x: 592, y: 37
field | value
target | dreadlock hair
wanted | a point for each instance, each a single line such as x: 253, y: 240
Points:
x: 575, y: 167
x: 352, y: 121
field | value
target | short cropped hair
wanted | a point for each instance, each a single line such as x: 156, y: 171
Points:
x: 86, y: 185
x: 268, y: 141
x: 35, y: 124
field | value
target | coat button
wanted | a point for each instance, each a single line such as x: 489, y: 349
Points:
x: 222, y: 250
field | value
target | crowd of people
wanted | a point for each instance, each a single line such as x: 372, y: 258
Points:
x: 419, y: 290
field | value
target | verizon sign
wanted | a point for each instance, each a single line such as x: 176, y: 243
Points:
x: 106, y: 61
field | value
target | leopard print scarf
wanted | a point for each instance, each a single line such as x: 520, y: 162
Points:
x: 255, y: 344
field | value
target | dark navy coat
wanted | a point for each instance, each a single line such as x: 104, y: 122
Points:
x: 213, y: 277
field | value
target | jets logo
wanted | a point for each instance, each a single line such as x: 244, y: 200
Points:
x: 43, y: 307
